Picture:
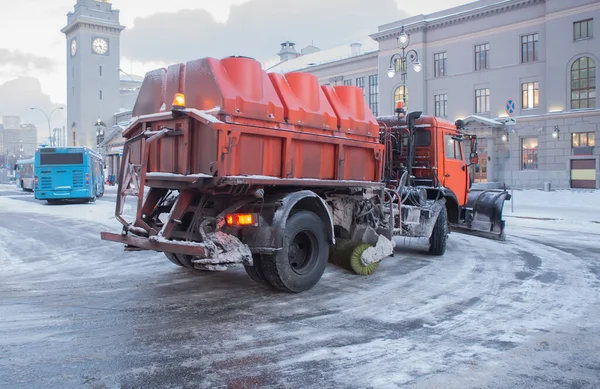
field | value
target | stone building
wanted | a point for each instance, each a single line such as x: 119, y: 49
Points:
x: 522, y: 73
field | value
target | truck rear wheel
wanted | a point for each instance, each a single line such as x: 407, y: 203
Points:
x: 181, y: 260
x: 439, y: 236
x: 171, y: 257
x: 256, y: 272
x: 302, y: 261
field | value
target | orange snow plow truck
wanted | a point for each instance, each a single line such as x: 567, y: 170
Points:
x: 231, y: 166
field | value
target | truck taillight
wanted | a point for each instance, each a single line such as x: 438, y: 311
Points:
x: 242, y: 219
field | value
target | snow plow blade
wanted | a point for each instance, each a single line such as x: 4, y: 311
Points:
x: 483, y: 214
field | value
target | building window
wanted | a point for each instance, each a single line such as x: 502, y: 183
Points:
x: 439, y: 64
x: 583, y: 83
x: 482, y: 56
x: 100, y: 95
x: 400, y: 94
x: 100, y: 71
x: 374, y: 94
x: 529, y: 48
x: 583, y: 29
x: 530, y: 95
x: 348, y: 82
x: 441, y: 105
x: 482, y: 100
x: 530, y: 153
x: 360, y: 82
x: 583, y: 139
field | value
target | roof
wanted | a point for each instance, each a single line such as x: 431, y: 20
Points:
x: 483, y: 120
x: 324, y: 56
x: 133, y: 78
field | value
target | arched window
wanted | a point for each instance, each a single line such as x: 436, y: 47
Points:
x: 583, y: 83
x: 399, y: 94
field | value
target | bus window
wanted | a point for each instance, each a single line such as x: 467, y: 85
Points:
x: 61, y: 158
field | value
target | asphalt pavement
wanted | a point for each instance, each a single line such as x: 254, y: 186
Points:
x: 78, y: 312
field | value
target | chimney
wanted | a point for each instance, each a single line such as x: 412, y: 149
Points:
x: 355, y: 48
x: 288, y: 51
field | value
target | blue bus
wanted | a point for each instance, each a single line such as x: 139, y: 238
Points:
x: 68, y: 173
x: 24, y: 174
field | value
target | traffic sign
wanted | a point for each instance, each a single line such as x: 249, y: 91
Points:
x: 510, y: 106
x: 510, y: 122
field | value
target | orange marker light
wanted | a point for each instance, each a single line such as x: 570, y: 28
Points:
x: 179, y: 101
x: 242, y: 219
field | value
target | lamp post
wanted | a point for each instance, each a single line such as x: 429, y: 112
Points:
x: 404, y: 57
x: 48, y: 119
x: 99, y: 132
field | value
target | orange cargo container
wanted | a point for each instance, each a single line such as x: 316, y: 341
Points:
x: 241, y: 121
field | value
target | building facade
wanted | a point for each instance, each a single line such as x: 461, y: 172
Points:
x: 93, y: 74
x: 521, y: 73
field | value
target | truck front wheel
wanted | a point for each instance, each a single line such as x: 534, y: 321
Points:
x: 302, y: 261
x: 439, y: 236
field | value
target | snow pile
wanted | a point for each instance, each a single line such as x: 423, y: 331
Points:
x: 572, y: 205
x: 575, y: 210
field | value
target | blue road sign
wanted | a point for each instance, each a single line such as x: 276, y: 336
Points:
x: 510, y: 106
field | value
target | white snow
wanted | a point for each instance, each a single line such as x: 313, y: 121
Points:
x: 205, y: 114
x: 573, y: 209
x: 383, y: 248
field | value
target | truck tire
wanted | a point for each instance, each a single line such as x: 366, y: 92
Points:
x: 186, y: 261
x: 256, y: 272
x: 303, y: 259
x: 439, y: 236
x: 171, y: 257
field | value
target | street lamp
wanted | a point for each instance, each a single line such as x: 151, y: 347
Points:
x: 99, y: 132
x: 48, y: 119
x: 404, y: 57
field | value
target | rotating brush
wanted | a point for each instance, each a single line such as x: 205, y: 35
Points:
x: 346, y: 254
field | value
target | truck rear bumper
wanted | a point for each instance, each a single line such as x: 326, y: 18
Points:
x: 217, y: 253
x: 140, y: 243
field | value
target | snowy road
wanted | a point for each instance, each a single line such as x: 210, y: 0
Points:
x: 79, y: 312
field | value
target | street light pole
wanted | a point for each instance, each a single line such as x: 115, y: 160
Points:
x: 48, y: 119
x: 404, y: 57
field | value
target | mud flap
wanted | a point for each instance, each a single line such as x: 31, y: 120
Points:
x: 482, y: 215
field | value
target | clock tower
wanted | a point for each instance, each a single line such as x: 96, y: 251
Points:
x: 92, y: 31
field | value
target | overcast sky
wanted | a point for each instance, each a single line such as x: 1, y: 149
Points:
x: 31, y: 44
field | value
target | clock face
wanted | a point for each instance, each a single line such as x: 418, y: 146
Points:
x: 100, y: 46
x: 73, y: 47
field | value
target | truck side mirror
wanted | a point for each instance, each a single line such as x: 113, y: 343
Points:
x: 473, y: 158
x: 473, y: 144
